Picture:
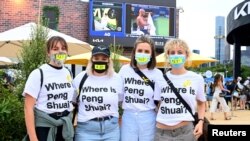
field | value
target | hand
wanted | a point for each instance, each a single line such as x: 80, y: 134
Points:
x: 198, y: 130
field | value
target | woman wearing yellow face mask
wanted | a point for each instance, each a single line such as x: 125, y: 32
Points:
x: 138, y: 120
x: 48, y: 97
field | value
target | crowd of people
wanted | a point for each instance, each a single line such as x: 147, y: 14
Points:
x: 157, y: 106
x: 237, y: 94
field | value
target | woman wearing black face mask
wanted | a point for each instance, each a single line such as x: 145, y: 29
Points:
x: 97, y: 117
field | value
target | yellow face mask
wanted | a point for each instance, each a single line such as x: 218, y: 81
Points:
x: 100, y: 67
x: 59, y: 58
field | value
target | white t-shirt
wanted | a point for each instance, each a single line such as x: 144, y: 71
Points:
x: 139, y: 96
x: 191, y: 87
x: 57, y: 90
x: 99, y: 96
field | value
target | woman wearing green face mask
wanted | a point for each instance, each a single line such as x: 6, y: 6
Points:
x: 138, y: 120
x: 48, y: 96
x: 174, y: 121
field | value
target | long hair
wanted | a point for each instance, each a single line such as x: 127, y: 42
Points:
x: 144, y: 39
x: 217, y: 79
x: 109, y: 72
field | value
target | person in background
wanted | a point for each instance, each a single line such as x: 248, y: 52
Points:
x: 228, y: 94
x: 174, y: 121
x: 218, y: 88
x: 97, y: 118
x: 142, y: 21
x: 209, y: 95
x: 48, y: 97
x: 243, y: 93
x: 138, y: 119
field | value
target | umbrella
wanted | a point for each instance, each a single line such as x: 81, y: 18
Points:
x: 11, y: 40
x: 198, y: 59
x: 82, y: 59
x: 5, y: 61
x: 195, y: 60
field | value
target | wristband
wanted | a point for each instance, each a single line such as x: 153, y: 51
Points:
x: 201, y: 119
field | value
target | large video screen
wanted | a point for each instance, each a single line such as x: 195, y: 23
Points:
x: 147, y: 19
x: 122, y: 21
x: 106, y: 18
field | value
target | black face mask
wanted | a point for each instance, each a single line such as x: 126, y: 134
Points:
x: 100, y: 67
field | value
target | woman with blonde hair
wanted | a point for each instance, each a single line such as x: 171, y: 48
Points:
x: 97, y: 118
x: 218, y: 88
x: 174, y: 117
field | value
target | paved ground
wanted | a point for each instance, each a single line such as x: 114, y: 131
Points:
x: 239, y: 117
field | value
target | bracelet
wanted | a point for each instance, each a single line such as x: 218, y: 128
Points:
x: 201, y: 119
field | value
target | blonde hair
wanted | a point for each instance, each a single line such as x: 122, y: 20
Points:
x: 173, y: 43
x: 109, y: 72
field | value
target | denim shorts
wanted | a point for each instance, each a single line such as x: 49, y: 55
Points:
x: 98, y: 130
x: 138, y: 126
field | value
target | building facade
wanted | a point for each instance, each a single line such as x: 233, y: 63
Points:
x: 222, y: 50
x: 70, y: 17
x: 245, y: 56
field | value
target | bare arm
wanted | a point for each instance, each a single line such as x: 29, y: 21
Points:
x: 29, y: 104
x: 141, y: 22
x: 198, y: 131
x: 222, y: 88
x: 201, y: 107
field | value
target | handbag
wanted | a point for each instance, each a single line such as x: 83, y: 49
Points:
x: 222, y: 94
x: 235, y: 93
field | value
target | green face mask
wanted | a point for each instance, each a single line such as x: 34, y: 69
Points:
x: 142, y: 58
x: 177, y: 61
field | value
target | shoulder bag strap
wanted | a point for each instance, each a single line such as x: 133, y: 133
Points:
x: 178, y: 95
x: 81, y: 84
x: 144, y: 77
x: 77, y: 98
x: 41, y: 72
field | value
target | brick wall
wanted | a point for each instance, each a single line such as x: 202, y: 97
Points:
x: 73, y: 18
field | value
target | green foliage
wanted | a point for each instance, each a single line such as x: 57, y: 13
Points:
x: 11, y: 104
x: 117, y: 50
x: 34, y: 51
x: 32, y: 56
x: 46, y: 20
x: 227, y: 69
x: 245, y: 71
x: 12, y: 116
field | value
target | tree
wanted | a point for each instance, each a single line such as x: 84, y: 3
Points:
x: 117, y: 50
x: 32, y: 56
x: 11, y: 104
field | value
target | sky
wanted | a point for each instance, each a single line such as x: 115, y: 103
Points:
x: 197, y: 22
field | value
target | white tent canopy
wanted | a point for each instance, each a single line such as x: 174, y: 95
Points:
x: 11, y: 40
x: 6, y: 61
